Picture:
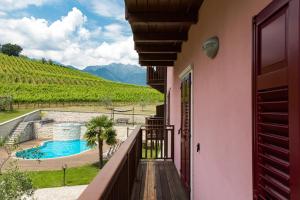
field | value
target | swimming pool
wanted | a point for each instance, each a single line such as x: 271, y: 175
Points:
x: 54, y: 149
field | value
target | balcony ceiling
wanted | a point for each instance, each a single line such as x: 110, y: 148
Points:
x: 159, y: 27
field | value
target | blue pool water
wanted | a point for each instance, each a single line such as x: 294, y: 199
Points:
x: 54, y: 149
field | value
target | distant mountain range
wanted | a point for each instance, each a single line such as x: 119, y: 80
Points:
x: 131, y: 74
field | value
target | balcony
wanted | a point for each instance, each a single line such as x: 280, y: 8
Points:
x: 154, y: 121
x: 156, y: 77
x: 142, y: 168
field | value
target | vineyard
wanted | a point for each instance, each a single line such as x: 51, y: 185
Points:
x: 31, y: 81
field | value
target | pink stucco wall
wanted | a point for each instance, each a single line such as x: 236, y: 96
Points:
x: 222, y: 100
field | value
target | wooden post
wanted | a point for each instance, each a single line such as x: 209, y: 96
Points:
x: 133, y: 115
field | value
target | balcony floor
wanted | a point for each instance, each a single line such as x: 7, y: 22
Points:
x: 158, y: 180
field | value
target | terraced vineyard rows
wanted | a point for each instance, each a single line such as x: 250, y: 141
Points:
x: 30, y: 81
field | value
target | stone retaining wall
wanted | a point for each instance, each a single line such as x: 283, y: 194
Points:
x: 7, y: 127
x: 83, y: 117
x: 28, y: 133
x: 44, y: 131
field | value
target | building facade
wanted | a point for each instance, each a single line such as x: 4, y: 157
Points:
x: 224, y: 122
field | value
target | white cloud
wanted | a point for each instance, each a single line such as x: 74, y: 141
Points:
x: 2, y: 14
x: 9, y: 5
x: 69, y: 41
x: 106, y: 8
x: 114, y: 32
x: 37, y: 33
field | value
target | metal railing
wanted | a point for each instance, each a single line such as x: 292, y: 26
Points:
x: 117, y: 177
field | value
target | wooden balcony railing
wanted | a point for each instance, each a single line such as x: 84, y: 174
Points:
x: 116, y: 179
x: 156, y: 75
x: 157, y: 142
x: 154, y: 121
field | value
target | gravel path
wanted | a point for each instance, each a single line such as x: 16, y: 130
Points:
x: 59, y: 193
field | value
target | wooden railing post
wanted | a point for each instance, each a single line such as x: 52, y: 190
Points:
x: 172, y: 143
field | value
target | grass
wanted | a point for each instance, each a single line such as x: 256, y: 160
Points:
x: 74, y: 176
x: 7, y: 115
x: 149, y: 152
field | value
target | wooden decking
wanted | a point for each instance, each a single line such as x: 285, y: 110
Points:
x: 158, y: 180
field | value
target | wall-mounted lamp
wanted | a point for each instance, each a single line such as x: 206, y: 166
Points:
x: 211, y: 47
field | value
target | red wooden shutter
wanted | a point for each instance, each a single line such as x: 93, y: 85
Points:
x: 186, y: 132
x: 273, y: 161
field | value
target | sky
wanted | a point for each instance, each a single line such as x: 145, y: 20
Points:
x: 72, y: 32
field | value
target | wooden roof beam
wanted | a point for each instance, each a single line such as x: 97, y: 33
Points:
x: 157, y: 63
x: 160, y: 17
x: 157, y: 56
x: 160, y: 37
x: 162, y: 48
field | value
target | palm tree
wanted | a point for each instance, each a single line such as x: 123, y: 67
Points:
x: 99, y: 130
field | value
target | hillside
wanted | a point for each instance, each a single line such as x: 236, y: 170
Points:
x: 120, y: 73
x: 32, y: 81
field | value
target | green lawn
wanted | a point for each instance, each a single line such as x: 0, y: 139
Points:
x: 7, y: 115
x: 149, y: 152
x: 74, y: 176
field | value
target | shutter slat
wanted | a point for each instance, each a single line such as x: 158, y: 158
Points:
x: 274, y: 148
x: 274, y: 137
x: 271, y: 194
x: 282, y: 189
x: 275, y: 160
x: 276, y: 172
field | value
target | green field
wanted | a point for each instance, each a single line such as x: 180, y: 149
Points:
x: 74, y: 176
x: 30, y: 81
x: 4, y: 116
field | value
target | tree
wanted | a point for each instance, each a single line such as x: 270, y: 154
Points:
x: 8, y: 149
x: 44, y: 60
x: 50, y: 62
x: 11, y: 49
x: 99, y: 130
x: 14, y: 183
x: 107, y: 102
x: 143, y: 103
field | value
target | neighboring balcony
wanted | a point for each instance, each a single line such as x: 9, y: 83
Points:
x: 142, y: 168
x: 154, y: 121
x: 156, y: 77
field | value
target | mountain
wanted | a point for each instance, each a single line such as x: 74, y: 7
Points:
x: 117, y: 72
x: 31, y: 81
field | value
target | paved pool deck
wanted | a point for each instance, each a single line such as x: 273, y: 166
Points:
x: 59, y: 193
x: 88, y: 157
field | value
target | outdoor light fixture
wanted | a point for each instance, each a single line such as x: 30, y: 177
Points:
x: 211, y: 47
